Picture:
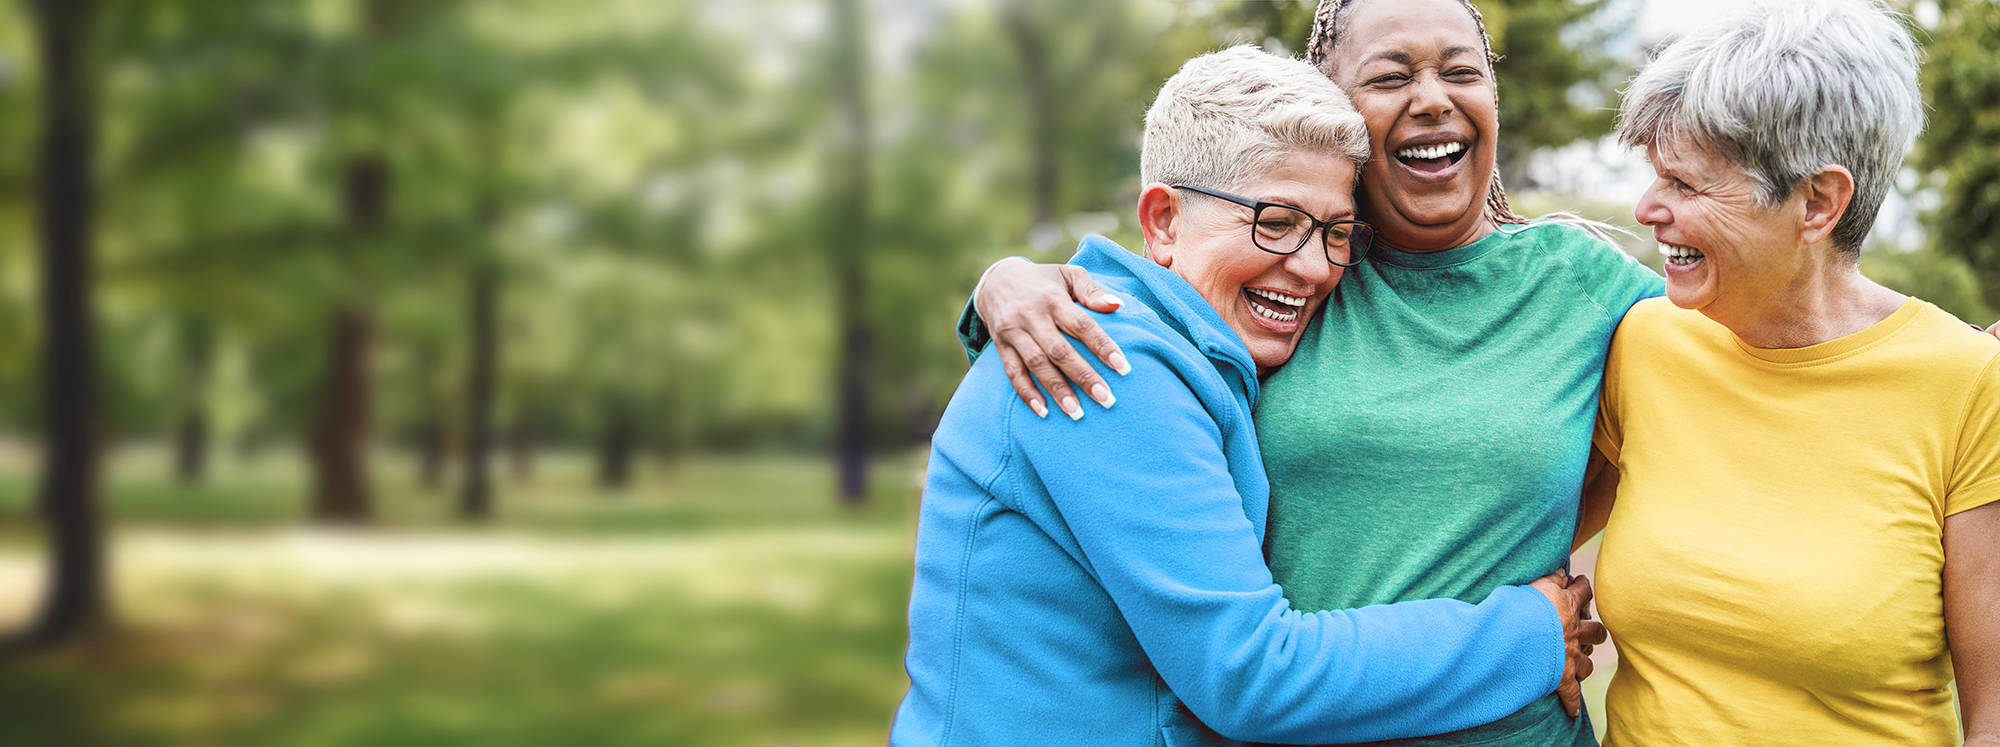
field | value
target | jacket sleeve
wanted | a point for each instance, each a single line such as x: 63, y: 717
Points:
x: 1146, y: 491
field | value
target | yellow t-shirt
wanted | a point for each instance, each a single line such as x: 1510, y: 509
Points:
x: 1771, y: 572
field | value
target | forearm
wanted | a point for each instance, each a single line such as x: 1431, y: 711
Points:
x: 1169, y: 540
x: 1600, y: 491
x: 1382, y: 672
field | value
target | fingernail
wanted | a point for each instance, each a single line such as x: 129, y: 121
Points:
x: 1118, y: 364
x: 1070, y: 408
x: 1041, y: 410
x: 1109, y: 300
x: 1102, y: 394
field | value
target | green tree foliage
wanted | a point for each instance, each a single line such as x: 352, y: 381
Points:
x: 1942, y: 279
x: 1961, y: 87
x: 650, y: 191
x: 1558, y: 82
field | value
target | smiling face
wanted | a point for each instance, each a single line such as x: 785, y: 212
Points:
x: 1728, y: 256
x: 1266, y: 298
x: 1416, y: 70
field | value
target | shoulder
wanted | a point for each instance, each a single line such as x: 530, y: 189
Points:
x: 1140, y: 327
x: 1606, y: 274
x: 1656, y: 329
x: 1658, y: 313
x: 1564, y: 239
x: 1172, y: 394
x: 1951, y: 344
x: 1153, y: 340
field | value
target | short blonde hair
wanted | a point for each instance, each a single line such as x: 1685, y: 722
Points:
x: 1229, y: 116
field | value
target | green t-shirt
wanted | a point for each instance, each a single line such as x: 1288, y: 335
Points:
x: 1429, y: 436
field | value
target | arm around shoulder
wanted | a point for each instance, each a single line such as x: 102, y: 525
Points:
x: 1153, y: 494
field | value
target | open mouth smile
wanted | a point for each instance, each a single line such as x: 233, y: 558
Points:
x: 1680, y: 257
x: 1278, y: 310
x: 1433, y: 161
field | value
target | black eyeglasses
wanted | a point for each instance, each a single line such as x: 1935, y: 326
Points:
x: 1282, y: 229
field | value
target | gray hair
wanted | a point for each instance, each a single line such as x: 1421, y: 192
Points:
x: 1229, y: 116
x: 1785, y: 88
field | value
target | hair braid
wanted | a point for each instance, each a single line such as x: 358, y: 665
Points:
x: 1320, y: 46
x: 1319, y: 51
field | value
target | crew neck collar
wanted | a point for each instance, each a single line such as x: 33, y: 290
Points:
x: 1443, y: 257
x: 1839, y: 347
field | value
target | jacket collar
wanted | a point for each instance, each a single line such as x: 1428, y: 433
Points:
x: 1176, y: 302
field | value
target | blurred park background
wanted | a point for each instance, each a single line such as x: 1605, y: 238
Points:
x: 553, y: 372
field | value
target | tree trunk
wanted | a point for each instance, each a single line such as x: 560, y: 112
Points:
x: 476, y: 502
x: 433, y: 446
x: 191, y: 446
x: 340, y: 438
x: 192, y: 437
x: 340, y: 441
x: 849, y: 244
x: 433, y: 437
x: 75, y: 601
x: 614, y: 465
x: 521, y: 450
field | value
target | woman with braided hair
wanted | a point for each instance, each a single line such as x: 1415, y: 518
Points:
x: 1431, y: 433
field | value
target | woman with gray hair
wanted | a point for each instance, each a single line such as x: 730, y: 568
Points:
x: 1805, y: 544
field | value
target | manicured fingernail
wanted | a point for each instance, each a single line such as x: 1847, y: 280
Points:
x: 1070, y: 408
x: 1102, y: 394
x: 1041, y: 410
x: 1107, y: 299
x: 1118, y: 364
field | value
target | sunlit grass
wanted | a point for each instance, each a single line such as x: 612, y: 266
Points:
x: 575, y: 619
x: 694, y: 491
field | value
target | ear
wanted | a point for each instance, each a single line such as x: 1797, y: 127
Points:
x: 1160, y: 216
x: 1827, y: 194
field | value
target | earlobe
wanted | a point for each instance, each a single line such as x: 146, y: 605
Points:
x: 1827, y: 196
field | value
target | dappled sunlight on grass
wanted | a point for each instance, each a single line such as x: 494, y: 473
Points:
x: 760, y: 631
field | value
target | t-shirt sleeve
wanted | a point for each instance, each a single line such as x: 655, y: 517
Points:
x: 1615, y: 279
x: 1975, y: 478
x: 1609, y: 435
x: 1147, y: 491
x: 972, y: 334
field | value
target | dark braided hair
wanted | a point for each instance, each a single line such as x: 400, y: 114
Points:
x: 1319, y: 51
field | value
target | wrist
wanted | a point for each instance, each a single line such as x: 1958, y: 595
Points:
x: 976, y: 287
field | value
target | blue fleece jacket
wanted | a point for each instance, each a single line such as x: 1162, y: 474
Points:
x: 1103, y: 582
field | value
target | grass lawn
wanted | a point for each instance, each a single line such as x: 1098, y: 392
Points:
x: 725, y: 601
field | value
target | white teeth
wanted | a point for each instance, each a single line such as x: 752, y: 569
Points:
x: 1681, y: 255
x: 1269, y: 314
x: 1279, y: 297
x: 1431, y: 151
x: 1276, y: 297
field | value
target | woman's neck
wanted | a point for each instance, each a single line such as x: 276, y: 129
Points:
x: 1827, y: 307
x: 1425, y: 239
